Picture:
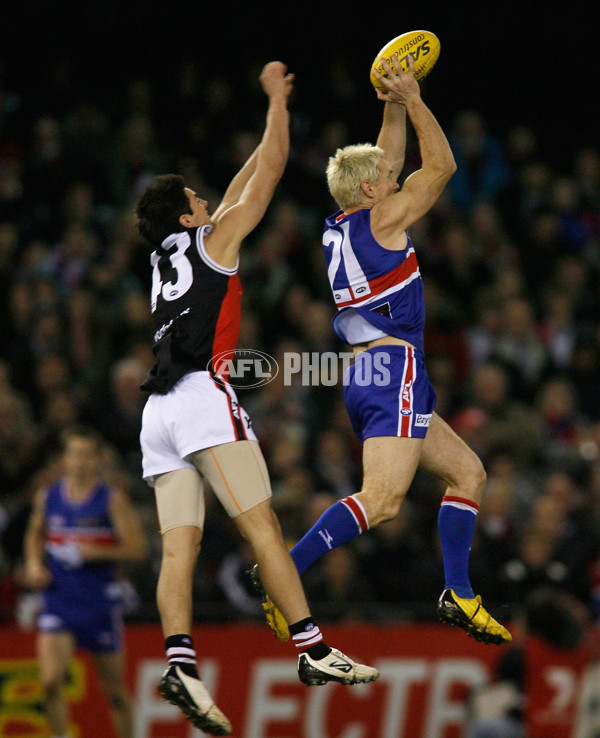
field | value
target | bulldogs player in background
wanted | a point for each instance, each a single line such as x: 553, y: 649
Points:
x: 378, y: 291
x: 193, y: 426
x: 79, y: 529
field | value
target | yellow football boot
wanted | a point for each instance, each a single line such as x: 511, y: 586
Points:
x: 273, y: 616
x: 472, y: 617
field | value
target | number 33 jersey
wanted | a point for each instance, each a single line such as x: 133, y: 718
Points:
x: 196, y: 309
x: 378, y: 292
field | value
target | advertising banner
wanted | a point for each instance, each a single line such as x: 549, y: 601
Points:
x: 427, y: 671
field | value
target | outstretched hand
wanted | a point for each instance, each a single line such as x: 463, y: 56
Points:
x: 275, y: 80
x: 399, y: 85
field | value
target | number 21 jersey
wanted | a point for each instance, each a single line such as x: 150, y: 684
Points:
x: 378, y: 292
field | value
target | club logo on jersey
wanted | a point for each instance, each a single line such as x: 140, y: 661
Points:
x: 383, y: 309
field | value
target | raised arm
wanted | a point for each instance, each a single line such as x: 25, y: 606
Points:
x: 235, y: 222
x: 421, y: 189
x: 237, y: 185
x: 392, y: 136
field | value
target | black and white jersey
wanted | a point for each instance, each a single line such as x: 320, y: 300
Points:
x: 196, y: 309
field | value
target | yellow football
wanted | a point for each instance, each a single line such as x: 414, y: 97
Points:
x: 424, y: 47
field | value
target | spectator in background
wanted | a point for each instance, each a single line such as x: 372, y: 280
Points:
x: 332, y: 464
x: 135, y: 156
x: 482, y: 166
x: 46, y: 176
x: 519, y: 348
x: 573, y: 274
x: 482, y: 334
x: 497, y: 530
x: 52, y: 374
x: 575, y: 228
x: 461, y: 264
x: 341, y: 588
x: 117, y: 413
x: 584, y: 371
x: 492, y: 421
x: 282, y: 401
x: 562, y: 424
x: 586, y: 171
x: 235, y: 584
x: 9, y: 238
x: 415, y: 576
x: 61, y: 410
x: 18, y: 441
x: 551, y: 551
x: 557, y: 328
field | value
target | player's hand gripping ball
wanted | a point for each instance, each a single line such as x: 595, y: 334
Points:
x: 424, y: 47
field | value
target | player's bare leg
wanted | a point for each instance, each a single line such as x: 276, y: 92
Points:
x: 279, y: 575
x: 389, y: 465
x: 179, y: 684
x: 181, y: 547
x: 55, y: 651
x: 446, y: 456
x: 111, y: 672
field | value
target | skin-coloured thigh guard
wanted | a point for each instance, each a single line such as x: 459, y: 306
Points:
x: 237, y: 473
x: 179, y: 499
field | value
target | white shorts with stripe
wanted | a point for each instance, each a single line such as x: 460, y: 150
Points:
x: 201, y: 411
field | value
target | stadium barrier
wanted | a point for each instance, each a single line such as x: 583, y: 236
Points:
x: 429, y: 673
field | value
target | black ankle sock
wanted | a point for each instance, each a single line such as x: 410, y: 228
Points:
x: 181, y: 653
x: 301, y: 626
x: 318, y: 650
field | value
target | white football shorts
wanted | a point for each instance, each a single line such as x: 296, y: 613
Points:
x: 199, y: 412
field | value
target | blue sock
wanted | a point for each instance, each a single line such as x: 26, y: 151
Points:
x: 456, y: 524
x: 342, y: 522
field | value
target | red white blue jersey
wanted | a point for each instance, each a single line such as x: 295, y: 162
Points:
x: 69, y: 523
x: 378, y: 292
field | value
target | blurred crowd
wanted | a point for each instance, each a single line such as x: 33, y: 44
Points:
x: 511, y: 262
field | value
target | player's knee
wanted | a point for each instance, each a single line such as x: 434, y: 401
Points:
x: 259, y: 525
x: 391, y: 509
x: 479, y: 476
x: 266, y: 535
x: 474, y: 481
x: 182, y: 545
x: 381, y: 507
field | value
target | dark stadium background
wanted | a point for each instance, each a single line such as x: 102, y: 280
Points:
x: 528, y: 61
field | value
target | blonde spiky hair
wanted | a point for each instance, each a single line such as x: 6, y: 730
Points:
x: 348, y: 168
